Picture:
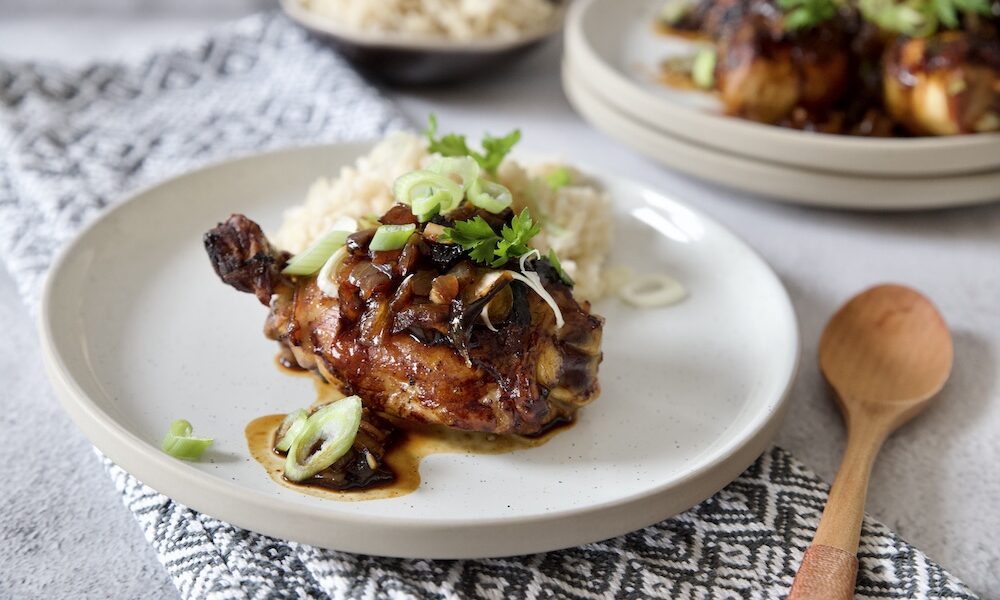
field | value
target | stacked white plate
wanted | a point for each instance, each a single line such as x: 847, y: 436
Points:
x: 610, y: 75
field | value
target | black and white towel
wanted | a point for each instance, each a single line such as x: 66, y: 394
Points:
x: 72, y: 141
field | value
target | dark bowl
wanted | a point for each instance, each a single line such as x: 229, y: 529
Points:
x: 419, y: 61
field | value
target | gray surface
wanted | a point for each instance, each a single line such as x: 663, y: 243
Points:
x: 65, y: 532
x: 936, y: 482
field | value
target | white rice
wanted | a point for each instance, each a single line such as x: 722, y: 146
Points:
x: 576, y: 219
x: 453, y: 19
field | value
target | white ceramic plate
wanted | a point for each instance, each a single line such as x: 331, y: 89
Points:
x: 615, y: 47
x: 801, y: 186
x: 137, y: 331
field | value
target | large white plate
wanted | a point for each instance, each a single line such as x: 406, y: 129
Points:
x: 615, y: 47
x: 137, y: 331
x: 801, y: 186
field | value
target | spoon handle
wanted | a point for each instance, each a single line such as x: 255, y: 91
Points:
x: 826, y: 573
x: 830, y: 566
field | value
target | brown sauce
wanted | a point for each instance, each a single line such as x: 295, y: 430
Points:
x: 413, y: 443
x: 687, y: 34
x: 286, y: 364
x: 677, y: 79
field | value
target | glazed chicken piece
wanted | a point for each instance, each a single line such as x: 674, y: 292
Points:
x: 244, y: 259
x: 765, y: 72
x: 946, y: 84
x: 405, y: 330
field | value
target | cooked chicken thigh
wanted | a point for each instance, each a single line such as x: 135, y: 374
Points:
x: 945, y: 85
x: 406, y: 333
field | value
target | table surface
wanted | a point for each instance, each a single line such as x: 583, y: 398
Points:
x: 67, y: 535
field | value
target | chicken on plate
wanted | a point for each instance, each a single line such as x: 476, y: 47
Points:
x: 440, y: 312
x: 861, y: 67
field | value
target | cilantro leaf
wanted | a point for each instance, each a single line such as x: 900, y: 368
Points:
x: 494, y: 149
x: 554, y: 261
x: 449, y: 145
x: 476, y: 236
x: 515, y: 238
x: 485, y: 246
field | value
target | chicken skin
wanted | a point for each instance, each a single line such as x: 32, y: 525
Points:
x: 423, y: 333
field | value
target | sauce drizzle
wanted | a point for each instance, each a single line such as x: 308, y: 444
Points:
x: 413, y: 443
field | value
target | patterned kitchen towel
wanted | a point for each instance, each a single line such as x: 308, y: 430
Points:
x: 73, y: 141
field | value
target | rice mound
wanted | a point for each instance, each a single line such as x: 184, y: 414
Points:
x: 576, y: 219
x: 453, y: 19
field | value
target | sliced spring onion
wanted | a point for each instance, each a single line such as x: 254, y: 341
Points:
x: 426, y: 207
x: 651, y: 291
x: 334, y: 428
x: 324, y: 281
x: 490, y: 196
x: 559, y: 178
x: 463, y: 167
x: 703, y: 68
x: 180, y: 444
x: 312, y: 258
x: 290, y: 429
x: 428, y: 193
x: 391, y: 237
x: 675, y: 10
x: 531, y: 279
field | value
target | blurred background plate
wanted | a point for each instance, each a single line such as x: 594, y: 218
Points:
x: 410, y: 60
x: 615, y: 47
x: 801, y: 186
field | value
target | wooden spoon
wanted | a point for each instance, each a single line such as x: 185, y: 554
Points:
x: 886, y: 353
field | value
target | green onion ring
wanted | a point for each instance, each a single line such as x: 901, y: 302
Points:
x: 675, y: 10
x: 312, y: 258
x: 290, y: 429
x: 427, y: 193
x: 466, y: 168
x: 703, y: 68
x: 391, y: 237
x: 490, y: 196
x: 180, y: 444
x: 335, y: 425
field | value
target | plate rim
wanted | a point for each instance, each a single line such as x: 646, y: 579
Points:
x: 791, y: 144
x: 125, y: 448
x: 907, y: 199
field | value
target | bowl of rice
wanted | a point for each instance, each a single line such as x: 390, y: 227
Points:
x: 414, y: 42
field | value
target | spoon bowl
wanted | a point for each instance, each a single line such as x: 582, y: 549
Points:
x: 885, y: 353
x: 888, y: 350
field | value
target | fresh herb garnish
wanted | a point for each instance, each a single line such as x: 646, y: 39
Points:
x: 485, y: 246
x: 515, y: 237
x: 179, y: 442
x: 494, y: 149
x: 805, y: 14
x: 917, y: 18
x: 554, y: 261
x: 907, y: 19
x: 673, y: 11
x: 475, y: 236
x: 559, y: 178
